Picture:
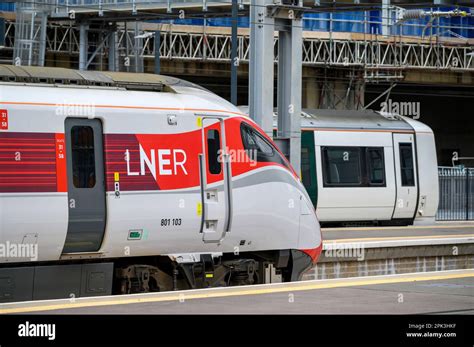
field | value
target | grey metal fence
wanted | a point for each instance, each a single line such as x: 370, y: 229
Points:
x: 456, y: 194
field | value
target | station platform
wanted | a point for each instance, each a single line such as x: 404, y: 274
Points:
x: 373, y: 251
x: 442, y: 230
x: 447, y: 292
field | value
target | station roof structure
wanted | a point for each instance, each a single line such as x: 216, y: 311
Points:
x: 140, y: 9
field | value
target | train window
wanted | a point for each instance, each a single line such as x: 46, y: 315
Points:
x: 375, y: 166
x: 214, y: 151
x: 341, y: 166
x: 259, y: 148
x: 255, y: 144
x: 83, y: 157
x: 406, y: 165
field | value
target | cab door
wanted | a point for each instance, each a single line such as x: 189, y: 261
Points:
x: 406, y: 176
x: 86, y: 186
x: 216, y: 182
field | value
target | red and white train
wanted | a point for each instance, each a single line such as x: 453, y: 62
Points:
x: 122, y: 183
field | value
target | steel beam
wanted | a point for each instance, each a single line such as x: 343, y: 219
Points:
x: 261, y: 73
x: 233, y: 58
x: 83, y: 45
x: 113, y: 52
x: 157, y: 39
x: 386, y: 17
x: 290, y: 88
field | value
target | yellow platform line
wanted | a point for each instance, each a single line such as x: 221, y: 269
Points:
x: 399, y: 238
x: 239, y: 291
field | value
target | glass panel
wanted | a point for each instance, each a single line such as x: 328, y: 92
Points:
x: 375, y: 160
x: 214, y: 152
x: 406, y: 165
x: 257, y: 146
x: 342, y: 166
x: 83, y: 158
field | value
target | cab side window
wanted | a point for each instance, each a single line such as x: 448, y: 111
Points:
x: 258, y: 147
x: 406, y: 165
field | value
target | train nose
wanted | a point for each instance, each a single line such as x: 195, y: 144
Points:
x: 310, y: 237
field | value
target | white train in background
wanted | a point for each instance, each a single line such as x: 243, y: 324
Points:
x: 364, y: 167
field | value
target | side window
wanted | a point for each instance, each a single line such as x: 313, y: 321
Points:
x: 375, y: 166
x: 213, y: 151
x: 259, y: 148
x: 406, y: 165
x: 83, y: 157
x: 341, y: 166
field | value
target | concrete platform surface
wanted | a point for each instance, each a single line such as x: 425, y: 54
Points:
x: 448, y: 292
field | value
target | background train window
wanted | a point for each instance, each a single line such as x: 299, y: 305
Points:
x: 341, y: 166
x: 258, y: 148
x: 83, y: 158
x: 213, y: 151
x: 375, y: 166
x: 406, y: 165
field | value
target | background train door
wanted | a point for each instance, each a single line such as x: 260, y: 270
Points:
x: 216, y: 181
x: 406, y: 176
x: 86, y: 185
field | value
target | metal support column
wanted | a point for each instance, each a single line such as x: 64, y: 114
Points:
x: 83, y: 45
x: 157, y: 52
x: 234, y: 59
x: 261, y: 65
x: 2, y: 32
x: 138, y: 58
x: 113, y: 52
x: 265, y: 17
x: 42, y: 40
x: 385, y: 17
x: 290, y: 88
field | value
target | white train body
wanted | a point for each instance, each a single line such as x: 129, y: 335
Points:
x: 157, y: 183
x: 371, y: 168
